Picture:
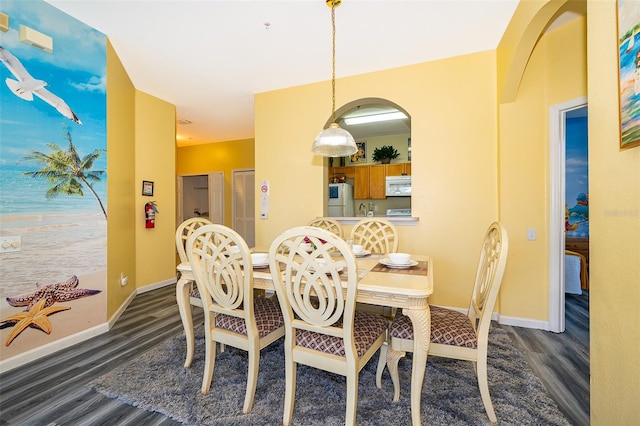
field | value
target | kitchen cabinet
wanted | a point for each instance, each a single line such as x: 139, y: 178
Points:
x: 361, y: 182
x: 398, y: 169
x: 377, y: 181
x: 347, y: 171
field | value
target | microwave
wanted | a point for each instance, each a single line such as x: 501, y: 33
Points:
x: 398, y: 186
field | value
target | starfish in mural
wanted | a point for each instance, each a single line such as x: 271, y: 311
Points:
x: 36, y: 316
x: 59, y: 292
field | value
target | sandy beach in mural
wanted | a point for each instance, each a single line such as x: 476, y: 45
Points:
x: 58, y: 246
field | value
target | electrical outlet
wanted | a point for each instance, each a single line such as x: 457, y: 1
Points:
x: 10, y: 244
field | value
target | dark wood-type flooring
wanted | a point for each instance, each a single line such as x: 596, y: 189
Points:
x: 52, y: 391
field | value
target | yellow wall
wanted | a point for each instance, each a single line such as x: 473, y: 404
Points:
x: 452, y: 103
x: 121, y: 241
x: 155, y: 153
x: 614, y: 216
x: 217, y: 157
x: 556, y: 72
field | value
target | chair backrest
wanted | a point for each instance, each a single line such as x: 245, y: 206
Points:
x: 224, y: 277
x: 310, y: 285
x: 375, y: 234
x: 493, y: 259
x: 328, y: 224
x: 184, y: 231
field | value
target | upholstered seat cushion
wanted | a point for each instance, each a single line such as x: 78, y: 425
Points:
x: 194, y: 292
x: 448, y: 327
x: 267, y: 313
x: 367, y: 328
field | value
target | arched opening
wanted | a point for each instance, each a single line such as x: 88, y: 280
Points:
x: 376, y: 124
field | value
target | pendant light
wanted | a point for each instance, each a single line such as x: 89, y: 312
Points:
x: 334, y: 141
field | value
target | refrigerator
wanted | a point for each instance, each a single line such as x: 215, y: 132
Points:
x: 340, y: 202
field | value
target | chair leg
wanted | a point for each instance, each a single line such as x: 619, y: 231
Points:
x: 210, y: 355
x: 182, y: 297
x: 382, y: 361
x: 252, y: 380
x: 483, y: 384
x: 352, y: 397
x: 290, y: 389
x: 393, y: 357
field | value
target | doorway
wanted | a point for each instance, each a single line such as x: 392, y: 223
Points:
x: 558, y: 166
x: 201, y: 196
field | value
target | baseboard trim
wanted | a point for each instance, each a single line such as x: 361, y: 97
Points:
x: 155, y: 286
x: 50, y: 348
x: 65, y: 342
x: 123, y: 307
x: 524, y: 322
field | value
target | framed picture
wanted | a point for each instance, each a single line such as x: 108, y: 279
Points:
x: 629, y: 72
x: 361, y: 154
x: 147, y: 188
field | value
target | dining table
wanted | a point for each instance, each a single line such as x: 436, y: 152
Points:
x: 405, y: 287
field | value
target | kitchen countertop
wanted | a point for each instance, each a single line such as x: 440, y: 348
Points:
x: 396, y: 220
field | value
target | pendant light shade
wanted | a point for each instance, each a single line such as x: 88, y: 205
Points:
x: 334, y: 141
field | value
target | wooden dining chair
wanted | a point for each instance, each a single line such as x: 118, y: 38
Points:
x: 328, y: 224
x: 317, y: 294
x: 376, y: 235
x: 186, y: 292
x: 233, y: 315
x: 454, y: 334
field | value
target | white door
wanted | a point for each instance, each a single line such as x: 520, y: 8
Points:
x: 216, y: 197
x: 243, y: 205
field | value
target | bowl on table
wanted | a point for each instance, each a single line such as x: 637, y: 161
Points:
x: 399, y: 258
x: 259, y: 258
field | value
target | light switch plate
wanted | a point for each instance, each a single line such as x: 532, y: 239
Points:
x: 531, y: 234
x: 10, y: 244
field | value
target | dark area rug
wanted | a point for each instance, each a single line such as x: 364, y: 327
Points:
x: 157, y: 381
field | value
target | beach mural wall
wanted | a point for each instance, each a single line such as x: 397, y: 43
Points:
x: 53, y: 162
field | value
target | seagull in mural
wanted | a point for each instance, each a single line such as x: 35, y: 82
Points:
x: 26, y: 86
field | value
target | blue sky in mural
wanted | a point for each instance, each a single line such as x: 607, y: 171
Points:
x: 79, y: 79
x: 577, y: 176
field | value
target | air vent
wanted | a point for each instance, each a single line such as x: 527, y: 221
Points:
x: 4, y: 22
x: 184, y: 121
x: 35, y: 38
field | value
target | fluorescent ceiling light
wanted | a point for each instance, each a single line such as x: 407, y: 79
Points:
x: 375, y: 118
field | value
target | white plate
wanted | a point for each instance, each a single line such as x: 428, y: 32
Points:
x: 387, y: 262
x: 260, y: 265
x: 312, y: 269
x: 363, y: 253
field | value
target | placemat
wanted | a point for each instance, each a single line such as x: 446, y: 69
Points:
x: 422, y: 268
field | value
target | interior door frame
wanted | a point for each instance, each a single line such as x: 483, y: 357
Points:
x: 180, y: 193
x: 557, y: 168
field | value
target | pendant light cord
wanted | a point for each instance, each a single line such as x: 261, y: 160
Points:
x: 333, y: 62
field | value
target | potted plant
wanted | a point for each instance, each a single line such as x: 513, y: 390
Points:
x: 385, y: 154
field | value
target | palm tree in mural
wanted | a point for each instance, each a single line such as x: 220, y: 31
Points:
x: 65, y: 171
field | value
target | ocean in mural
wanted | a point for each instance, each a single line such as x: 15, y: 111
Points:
x: 53, y: 162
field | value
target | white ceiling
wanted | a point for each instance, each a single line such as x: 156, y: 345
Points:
x: 209, y: 58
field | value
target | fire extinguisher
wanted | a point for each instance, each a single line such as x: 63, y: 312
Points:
x: 150, y: 211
